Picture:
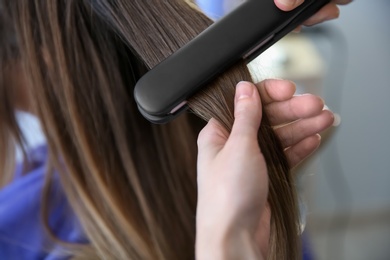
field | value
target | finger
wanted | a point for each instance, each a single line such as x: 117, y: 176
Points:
x: 288, y: 5
x: 247, y: 112
x: 211, y: 139
x: 298, y: 29
x: 301, y: 150
x: 328, y: 12
x: 272, y: 90
x: 295, y: 132
x: 303, y: 106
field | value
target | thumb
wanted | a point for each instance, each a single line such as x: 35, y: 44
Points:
x: 288, y: 5
x: 211, y: 139
x: 247, y: 112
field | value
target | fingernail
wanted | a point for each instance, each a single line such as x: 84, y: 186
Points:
x: 326, y: 108
x: 337, y: 119
x: 244, y: 90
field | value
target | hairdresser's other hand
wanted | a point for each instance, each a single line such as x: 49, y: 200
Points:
x: 328, y: 12
x: 232, y: 183
x: 297, y: 120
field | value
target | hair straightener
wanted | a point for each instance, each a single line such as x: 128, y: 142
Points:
x: 255, y: 25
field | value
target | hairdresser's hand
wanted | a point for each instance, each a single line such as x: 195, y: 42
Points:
x: 232, y: 183
x: 298, y: 120
x: 328, y: 12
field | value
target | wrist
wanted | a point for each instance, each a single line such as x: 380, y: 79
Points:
x: 226, y: 245
x: 210, y: 243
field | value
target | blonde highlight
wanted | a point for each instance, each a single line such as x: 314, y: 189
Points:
x: 132, y: 184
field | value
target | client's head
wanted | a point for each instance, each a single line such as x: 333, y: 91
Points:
x: 132, y: 184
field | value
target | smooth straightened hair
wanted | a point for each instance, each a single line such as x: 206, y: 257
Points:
x: 131, y: 184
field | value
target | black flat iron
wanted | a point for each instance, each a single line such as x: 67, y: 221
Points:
x: 255, y: 25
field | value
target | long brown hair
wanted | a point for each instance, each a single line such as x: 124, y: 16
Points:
x: 10, y: 133
x: 132, y: 184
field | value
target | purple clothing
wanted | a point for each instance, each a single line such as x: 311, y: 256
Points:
x: 22, y: 234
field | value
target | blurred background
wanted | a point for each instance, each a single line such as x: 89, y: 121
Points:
x: 345, y: 187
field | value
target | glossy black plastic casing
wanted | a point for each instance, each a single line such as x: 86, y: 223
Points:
x: 246, y: 32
